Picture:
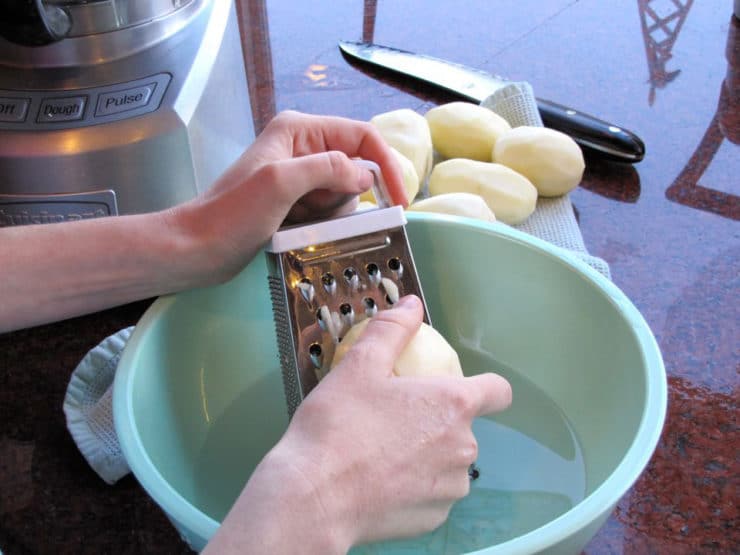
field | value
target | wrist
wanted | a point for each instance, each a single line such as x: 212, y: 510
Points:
x: 198, y: 260
x: 320, y: 505
x: 215, y: 243
x: 281, y: 510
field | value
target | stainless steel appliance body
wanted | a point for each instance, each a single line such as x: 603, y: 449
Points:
x: 139, y: 106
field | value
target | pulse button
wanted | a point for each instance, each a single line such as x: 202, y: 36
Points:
x: 61, y: 109
x: 124, y: 100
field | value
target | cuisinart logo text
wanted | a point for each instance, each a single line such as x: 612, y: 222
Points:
x: 25, y: 217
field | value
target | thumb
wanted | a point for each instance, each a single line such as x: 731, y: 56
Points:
x: 385, y: 337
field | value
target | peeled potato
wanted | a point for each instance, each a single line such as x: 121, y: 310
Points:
x: 469, y: 205
x: 410, y: 179
x: 427, y: 354
x: 465, y: 130
x: 551, y: 160
x: 408, y: 132
x: 507, y: 193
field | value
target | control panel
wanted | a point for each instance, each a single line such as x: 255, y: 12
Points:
x: 46, y: 110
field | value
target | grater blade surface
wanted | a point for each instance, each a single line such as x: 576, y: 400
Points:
x: 349, y: 269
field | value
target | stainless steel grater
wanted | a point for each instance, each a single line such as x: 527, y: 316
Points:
x: 326, y: 276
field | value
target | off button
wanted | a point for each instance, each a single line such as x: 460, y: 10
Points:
x: 13, y: 109
x: 61, y: 109
x: 124, y: 100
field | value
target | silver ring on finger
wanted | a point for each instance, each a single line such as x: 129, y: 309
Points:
x: 473, y: 472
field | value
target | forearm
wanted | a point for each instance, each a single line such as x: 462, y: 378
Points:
x: 56, y: 271
x: 279, y: 511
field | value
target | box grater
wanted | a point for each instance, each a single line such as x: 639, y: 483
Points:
x: 326, y: 276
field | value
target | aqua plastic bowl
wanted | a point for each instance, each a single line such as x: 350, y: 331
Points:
x: 198, y: 396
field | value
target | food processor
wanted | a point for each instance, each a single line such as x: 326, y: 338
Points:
x: 116, y: 106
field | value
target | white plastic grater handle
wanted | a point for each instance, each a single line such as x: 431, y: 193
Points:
x: 380, y: 189
x: 385, y: 217
x: 359, y: 223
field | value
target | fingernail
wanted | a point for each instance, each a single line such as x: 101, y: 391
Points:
x: 407, y: 302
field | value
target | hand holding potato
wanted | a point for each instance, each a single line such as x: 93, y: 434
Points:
x: 405, y: 445
x: 427, y: 354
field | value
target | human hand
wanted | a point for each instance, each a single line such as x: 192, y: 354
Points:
x: 299, y: 168
x: 368, y: 456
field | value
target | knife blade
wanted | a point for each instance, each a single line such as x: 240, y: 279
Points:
x: 594, y: 135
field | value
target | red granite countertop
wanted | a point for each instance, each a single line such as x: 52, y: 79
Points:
x: 669, y: 71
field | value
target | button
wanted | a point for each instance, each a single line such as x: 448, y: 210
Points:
x: 61, y: 109
x: 124, y: 100
x: 13, y: 109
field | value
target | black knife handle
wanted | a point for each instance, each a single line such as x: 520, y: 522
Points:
x: 592, y: 134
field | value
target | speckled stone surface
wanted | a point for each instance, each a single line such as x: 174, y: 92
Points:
x: 668, y: 227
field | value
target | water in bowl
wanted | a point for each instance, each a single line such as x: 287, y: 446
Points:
x: 530, y: 461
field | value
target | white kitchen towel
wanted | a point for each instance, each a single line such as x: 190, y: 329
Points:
x: 553, y: 220
x: 88, y: 402
x: 88, y: 407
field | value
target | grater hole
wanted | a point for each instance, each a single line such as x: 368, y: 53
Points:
x: 315, y: 352
x: 371, y: 307
x: 330, y: 283
x: 391, y: 289
x: 320, y: 319
x: 306, y: 288
x: 351, y: 277
x: 395, y: 264
x: 373, y: 271
x: 347, y: 314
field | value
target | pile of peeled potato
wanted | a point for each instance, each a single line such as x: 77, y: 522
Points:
x: 489, y: 171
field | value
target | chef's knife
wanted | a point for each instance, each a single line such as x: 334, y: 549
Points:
x: 601, y: 138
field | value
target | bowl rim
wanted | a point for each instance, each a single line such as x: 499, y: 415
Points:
x: 602, y: 500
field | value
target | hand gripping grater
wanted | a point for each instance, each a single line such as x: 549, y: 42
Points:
x: 326, y: 276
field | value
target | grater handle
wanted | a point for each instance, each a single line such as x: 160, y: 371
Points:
x: 380, y: 189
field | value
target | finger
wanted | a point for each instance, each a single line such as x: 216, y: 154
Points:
x: 385, y: 336
x: 322, y: 204
x: 312, y: 134
x: 326, y: 171
x: 489, y: 392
